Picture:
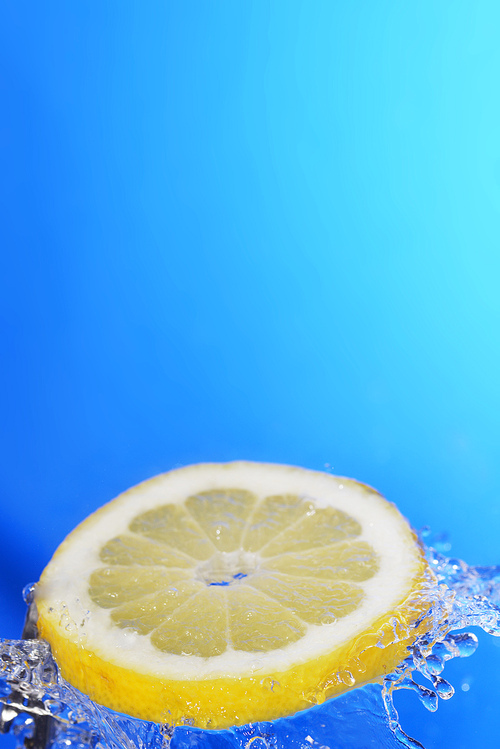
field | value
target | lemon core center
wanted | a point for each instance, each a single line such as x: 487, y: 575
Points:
x: 227, y: 568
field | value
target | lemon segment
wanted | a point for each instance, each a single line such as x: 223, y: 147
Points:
x: 112, y: 586
x: 345, y: 561
x: 171, y: 525
x: 146, y: 613
x: 222, y: 515
x: 312, y: 600
x: 317, y: 529
x: 197, y: 627
x: 221, y: 594
x: 271, y: 517
x: 128, y: 549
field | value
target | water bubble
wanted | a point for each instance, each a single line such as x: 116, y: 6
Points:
x: 428, y: 698
x: 463, y: 643
x: 271, y: 684
x: 347, y: 678
x: 28, y: 593
x: 328, y: 619
x: 443, y: 688
x: 434, y: 665
x: 257, y: 742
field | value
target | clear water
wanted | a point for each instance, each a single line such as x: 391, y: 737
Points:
x: 62, y: 718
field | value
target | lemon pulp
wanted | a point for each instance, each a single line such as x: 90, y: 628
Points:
x: 222, y: 594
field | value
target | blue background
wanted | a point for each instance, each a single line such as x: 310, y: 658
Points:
x: 253, y: 230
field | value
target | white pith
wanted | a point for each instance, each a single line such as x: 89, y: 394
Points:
x: 64, y: 584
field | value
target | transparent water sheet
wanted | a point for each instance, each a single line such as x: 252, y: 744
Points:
x: 42, y: 710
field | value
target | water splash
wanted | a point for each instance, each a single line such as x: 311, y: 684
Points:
x: 41, y: 709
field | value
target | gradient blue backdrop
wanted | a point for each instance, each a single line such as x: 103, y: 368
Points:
x: 263, y: 230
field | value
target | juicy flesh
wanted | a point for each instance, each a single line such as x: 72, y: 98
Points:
x: 226, y: 569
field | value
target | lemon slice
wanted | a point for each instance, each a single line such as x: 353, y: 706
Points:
x: 222, y: 594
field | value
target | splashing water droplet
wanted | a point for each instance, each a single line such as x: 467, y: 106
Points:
x: 443, y: 688
x: 28, y: 593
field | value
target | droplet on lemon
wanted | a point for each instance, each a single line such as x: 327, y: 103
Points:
x: 223, y: 594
